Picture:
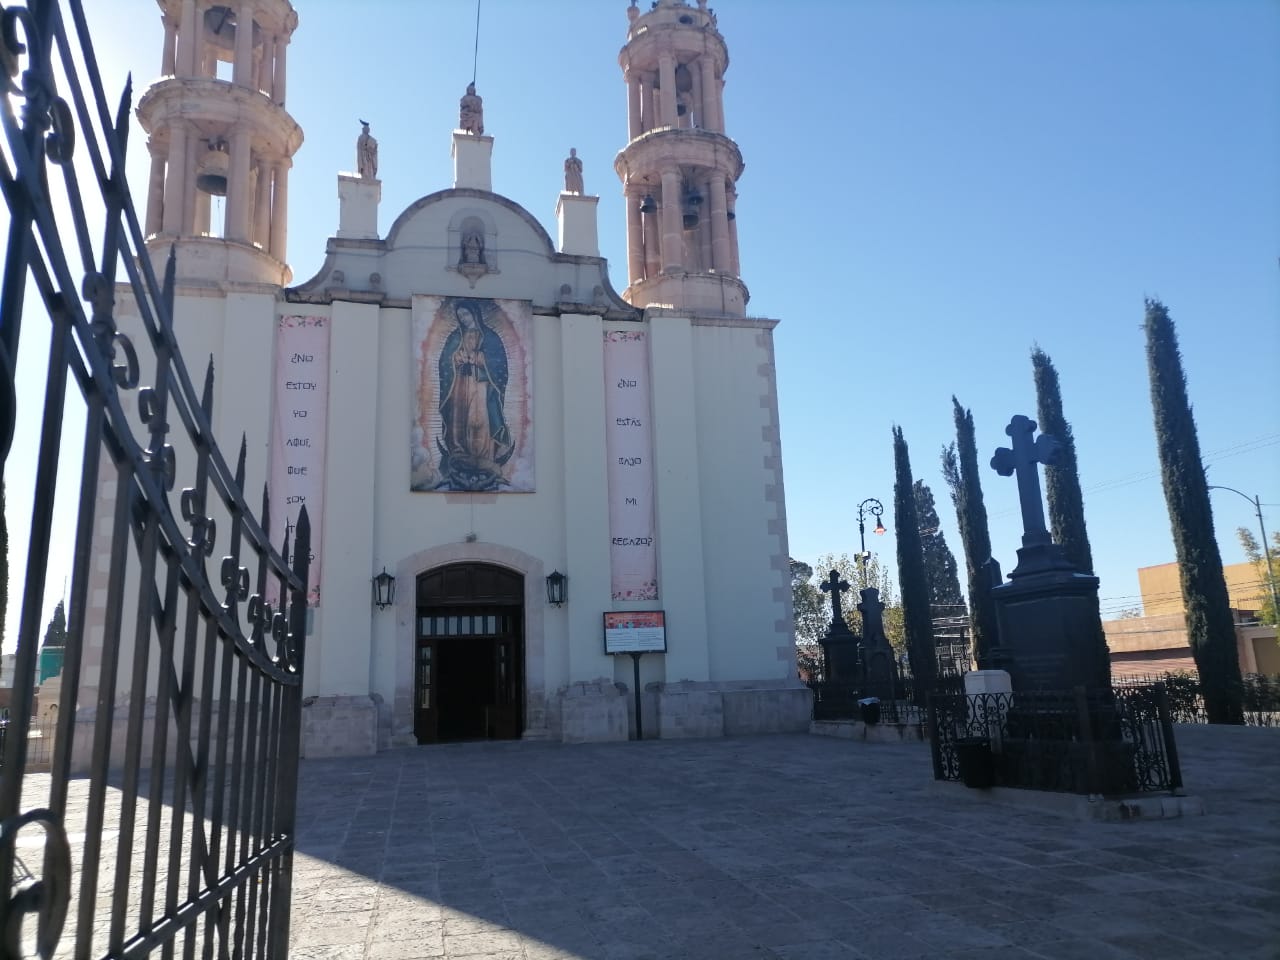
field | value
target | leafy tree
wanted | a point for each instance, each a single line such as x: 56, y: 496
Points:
x: 808, y: 604
x: 55, y: 633
x: 1266, y: 577
x: 945, y: 598
x: 1204, y: 588
x: 1061, y: 481
x: 917, y: 617
x: 960, y: 467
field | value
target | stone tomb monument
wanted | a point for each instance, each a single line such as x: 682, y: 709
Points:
x: 840, y: 645
x: 1047, y: 612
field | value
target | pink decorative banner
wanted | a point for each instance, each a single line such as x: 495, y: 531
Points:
x: 629, y: 444
x: 301, y: 405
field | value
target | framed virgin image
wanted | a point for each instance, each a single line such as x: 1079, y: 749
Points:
x: 635, y: 631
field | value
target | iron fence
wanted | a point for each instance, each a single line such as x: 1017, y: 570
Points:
x: 167, y: 816
x: 842, y: 701
x: 1114, y: 742
x: 1260, y: 694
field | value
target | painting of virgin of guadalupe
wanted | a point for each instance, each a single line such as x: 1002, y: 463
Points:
x: 472, y: 429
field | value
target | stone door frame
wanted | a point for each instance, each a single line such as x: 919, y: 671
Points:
x: 534, y: 572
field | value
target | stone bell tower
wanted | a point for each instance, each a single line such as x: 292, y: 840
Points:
x: 679, y: 170
x: 221, y: 141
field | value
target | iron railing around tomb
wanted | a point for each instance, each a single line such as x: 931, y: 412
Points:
x: 1260, y: 696
x: 1110, y: 743
x: 833, y: 700
x: 168, y: 816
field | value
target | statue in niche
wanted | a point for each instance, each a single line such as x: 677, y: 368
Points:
x: 366, y: 153
x: 472, y: 247
x: 471, y: 112
x: 573, y: 172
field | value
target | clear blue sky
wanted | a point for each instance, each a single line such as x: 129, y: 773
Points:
x: 931, y: 188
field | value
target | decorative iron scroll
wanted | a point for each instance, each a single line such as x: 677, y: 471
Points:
x: 177, y: 732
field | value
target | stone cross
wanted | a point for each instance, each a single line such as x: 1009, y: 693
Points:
x: 1022, y: 460
x: 872, y: 610
x: 835, y: 586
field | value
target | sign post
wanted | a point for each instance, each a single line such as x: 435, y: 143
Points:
x: 635, y: 633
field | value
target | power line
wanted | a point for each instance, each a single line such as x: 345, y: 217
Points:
x: 475, y: 59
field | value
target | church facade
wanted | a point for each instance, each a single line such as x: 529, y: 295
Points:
x: 515, y: 476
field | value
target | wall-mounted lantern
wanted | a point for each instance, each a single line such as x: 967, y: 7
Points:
x: 557, y: 588
x: 384, y: 589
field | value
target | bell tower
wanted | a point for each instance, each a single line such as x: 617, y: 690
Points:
x: 679, y: 170
x: 221, y: 141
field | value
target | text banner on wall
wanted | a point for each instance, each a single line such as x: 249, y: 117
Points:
x: 301, y: 405
x: 629, y: 445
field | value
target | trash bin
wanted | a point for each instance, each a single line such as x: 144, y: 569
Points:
x: 869, y: 708
x: 977, y: 767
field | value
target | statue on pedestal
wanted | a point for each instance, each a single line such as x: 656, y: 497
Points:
x: 366, y: 153
x: 471, y: 112
x: 573, y: 172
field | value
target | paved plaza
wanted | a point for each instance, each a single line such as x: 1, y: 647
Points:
x: 796, y: 847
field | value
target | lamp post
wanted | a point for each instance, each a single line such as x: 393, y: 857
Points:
x: 1256, y: 501
x: 874, y: 507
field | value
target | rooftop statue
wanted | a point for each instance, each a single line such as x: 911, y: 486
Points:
x: 471, y: 112
x: 573, y: 172
x: 366, y: 153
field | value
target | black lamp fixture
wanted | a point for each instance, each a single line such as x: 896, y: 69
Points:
x: 384, y: 589
x: 557, y: 588
x: 648, y: 204
x: 874, y: 507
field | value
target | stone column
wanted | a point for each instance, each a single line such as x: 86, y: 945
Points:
x: 718, y: 86
x: 201, y: 220
x: 242, y: 68
x: 635, y: 238
x: 282, y: 45
x: 732, y: 202
x: 187, y: 40
x: 262, y: 206
x: 667, y: 85
x: 652, y: 249
x: 697, y: 116
x: 633, y: 104
x: 155, y: 192
x: 175, y: 186
x: 168, y: 57
x: 672, y: 240
x: 720, y: 258
x: 237, y: 226
x: 710, y: 115
x: 280, y: 210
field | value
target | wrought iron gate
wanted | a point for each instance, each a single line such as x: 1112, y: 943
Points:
x: 166, y: 820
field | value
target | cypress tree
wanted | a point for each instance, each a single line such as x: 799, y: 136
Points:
x: 939, y: 561
x: 912, y: 581
x: 1061, y: 481
x: 960, y: 467
x: 1204, y: 588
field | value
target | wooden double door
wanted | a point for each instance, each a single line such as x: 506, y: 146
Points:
x: 469, y: 654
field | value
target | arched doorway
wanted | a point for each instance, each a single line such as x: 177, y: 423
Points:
x: 469, y: 654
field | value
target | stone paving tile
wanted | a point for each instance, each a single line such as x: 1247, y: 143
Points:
x: 768, y: 848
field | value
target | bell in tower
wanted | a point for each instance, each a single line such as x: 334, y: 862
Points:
x: 217, y: 128
x: 679, y: 170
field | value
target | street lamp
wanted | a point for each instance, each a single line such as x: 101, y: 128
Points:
x: 1256, y: 501
x: 874, y: 507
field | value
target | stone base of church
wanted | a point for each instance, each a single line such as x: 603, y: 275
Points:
x: 593, y: 711
x: 339, y: 726
x: 709, y: 709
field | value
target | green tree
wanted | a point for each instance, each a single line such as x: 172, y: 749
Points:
x: 960, y: 468
x: 1266, y: 577
x: 807, y: 603
x: 916, y: 615
x: 1062, y: 480
x: 945, y: 597
x: 55, y: 632
x: 1204, y: 588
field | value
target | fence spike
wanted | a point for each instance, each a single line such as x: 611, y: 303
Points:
x: 122, y: 115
